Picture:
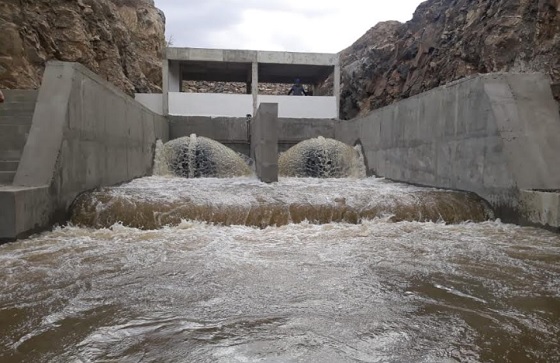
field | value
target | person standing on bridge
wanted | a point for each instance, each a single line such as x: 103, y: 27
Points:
x: 297, y: 89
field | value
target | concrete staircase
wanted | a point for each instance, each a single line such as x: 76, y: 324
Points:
x: 16, y: 115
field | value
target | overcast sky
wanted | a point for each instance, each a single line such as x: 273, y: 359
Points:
x: 288, y: 25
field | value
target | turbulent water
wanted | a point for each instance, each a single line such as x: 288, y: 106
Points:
x: 196, y: 156
x: 322, y: 158
x: 155, y: 202
x: 386, y: 289
x: 374, y: 292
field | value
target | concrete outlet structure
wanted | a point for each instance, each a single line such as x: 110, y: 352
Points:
x: 250, y: 67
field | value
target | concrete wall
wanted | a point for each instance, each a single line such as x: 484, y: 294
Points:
x: 153, y: 101
x: 239, y: 105
x: 85, y: 134
x: 303, y: 107
x: 234, y: 131
x: 210, y: 104
x: 495, y: 135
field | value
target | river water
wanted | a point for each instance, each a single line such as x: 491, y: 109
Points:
x: 373, y: 288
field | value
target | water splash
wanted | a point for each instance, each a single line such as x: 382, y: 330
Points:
x: 160, y: 163
x: 322, y: 158
x: 196, y: 156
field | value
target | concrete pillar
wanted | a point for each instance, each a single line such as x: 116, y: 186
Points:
x: 174, y: 76
x: 264, y: 142
x: 336, y: 87
x: 171, y: 82
x: 165, y: 86
x: 255, y: 86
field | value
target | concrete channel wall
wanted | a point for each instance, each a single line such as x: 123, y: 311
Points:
x: 496, y: 135
x: 85, y: 134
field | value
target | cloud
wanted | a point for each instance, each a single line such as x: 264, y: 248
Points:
x: 291, y: 25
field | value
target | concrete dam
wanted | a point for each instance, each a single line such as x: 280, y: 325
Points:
x: 493, y: 135
x: 255, y: 235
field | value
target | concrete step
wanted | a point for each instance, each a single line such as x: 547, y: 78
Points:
x: 16, y: 120
x: 7, y: 177
x: 20, y: 96
x: 12, y: 138
x: 22, y: 111
x: 9, y: 165
x: 16, y: 108
x: 13, y: 154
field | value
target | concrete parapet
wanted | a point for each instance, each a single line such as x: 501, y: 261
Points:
x: 85, y: 133
x: 264, y: 142
x: 493, y: 134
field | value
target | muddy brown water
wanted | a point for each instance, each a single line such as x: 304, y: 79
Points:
x: 381, y: 290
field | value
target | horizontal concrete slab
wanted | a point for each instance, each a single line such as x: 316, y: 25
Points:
x: 249, y: 56
x: 235, y: 65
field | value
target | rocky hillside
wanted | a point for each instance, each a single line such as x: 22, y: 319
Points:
x: 447, y: 40
x: 122, y: 40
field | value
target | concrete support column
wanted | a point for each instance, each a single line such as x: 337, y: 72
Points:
x: 165, y: 86
x: 171, y: 82
x: 264, y: 142
x: 336, y: 87
x: 174, y: 77
x: 255, y: 86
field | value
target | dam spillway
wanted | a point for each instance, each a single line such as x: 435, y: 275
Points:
x: 390, y: 288
x: 155, y: 202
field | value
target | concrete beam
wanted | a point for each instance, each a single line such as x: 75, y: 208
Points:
x: 250, y: 56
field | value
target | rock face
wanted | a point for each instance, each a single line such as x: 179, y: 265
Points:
x: 447, y: 40
x: 235, y: 87
x: 122, y: 40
